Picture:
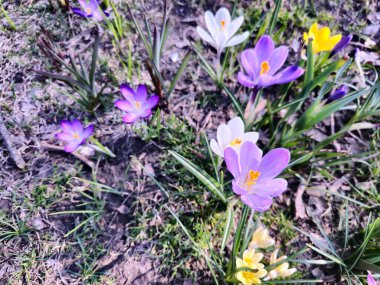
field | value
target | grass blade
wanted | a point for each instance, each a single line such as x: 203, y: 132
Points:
x: 202, y: 175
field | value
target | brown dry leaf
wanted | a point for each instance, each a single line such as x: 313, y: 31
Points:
x: 300, y: 206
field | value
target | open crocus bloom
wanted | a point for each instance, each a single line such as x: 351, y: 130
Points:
x: 262, y: 64
x: 74, y: 134
x: 321, y: 39
x: 232, y: 135
x: 370, y: 279
x: 136, y: 105
x: 254, y: 175
x: 281, y: 271
x: 251, y: 260
x: 90, y: 9
x: 261, y: 239
x: 221, y: 30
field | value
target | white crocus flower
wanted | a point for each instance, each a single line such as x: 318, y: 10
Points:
x: 233, y: 135
x: 221, y: 30
x: 261, y: 239
x: 281, y: 271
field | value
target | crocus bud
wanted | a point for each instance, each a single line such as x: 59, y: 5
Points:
x: 341, y: 45
x: 339, y: 93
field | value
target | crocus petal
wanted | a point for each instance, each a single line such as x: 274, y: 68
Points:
x: 371, y: 280
x: 125, y: 105
x: 250, y: 157
x: 216, y: 148
x: 238, y: 39
x: 206, y: 37
x: 236, y: 126
x: 257, y: 203
x: 232, y: 161
x: 151, y: 102
x: 324, y: 34
x: 271, y: 188
x: 127, y: 92
x: 288, y: 74
x: 238, y: 190
x: 141, y: 93
x: 338, y: 94
x: 130, y: 118
x: 145, y: 113
x: 245, y: 80
x: 67, y: 127
x: 223, y: 15
x: 234, y: 26
x: 64, y: 136
x: 264, y: 48
x: 80, y: 12
x: 88, y: 131
x: 71, y: 147
x: 221, y: 40
x: 249, y: 62
x: 223, y: 135
x: 273, y: 163
x: 341, y: 45
x: 211, y: 24
x: 251, y: 136
x: 77, y: 126
x: 277, y: 59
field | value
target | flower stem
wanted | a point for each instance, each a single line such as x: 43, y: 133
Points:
x: 250, y: 109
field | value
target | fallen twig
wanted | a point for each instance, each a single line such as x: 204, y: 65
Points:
x: 77, y: 155
x: 13, y: 152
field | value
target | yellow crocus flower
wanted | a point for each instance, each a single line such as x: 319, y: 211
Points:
x: 281, y: 271
x: 261, y: 239
x: 251, y: 259
x: 321, y: 39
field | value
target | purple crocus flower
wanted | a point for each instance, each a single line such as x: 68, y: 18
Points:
x: 262, y: 64
x: 136, y: 104
x: 90, y: 9
x: 370, y: 279
x: 74, y: 134
x: 341, y: 45
x: 339, y: 93
x: 254, y: 175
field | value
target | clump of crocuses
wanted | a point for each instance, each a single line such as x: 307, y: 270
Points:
x: 261, y: 65
x: 253, y: 259
x: 90, y: 9
x: 255, y: 176
x: 74, y: 134
x: 136, y: 104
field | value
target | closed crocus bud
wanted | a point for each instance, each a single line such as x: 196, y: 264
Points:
x: 341, y: 45
x: 261, y: 239
x: 339, y: 93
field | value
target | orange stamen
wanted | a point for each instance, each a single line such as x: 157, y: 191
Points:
x: 138, y: 105
x: 251, y: 178
x: 264, y: 67
x: 236, y: 141
x: 75, y: 136
x: 223, y: 24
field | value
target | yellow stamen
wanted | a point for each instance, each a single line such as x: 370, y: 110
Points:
x: 75, y: 136
x: 88, y: 11
x: 252, y: 178
x: 138, y: 105
x: 264, y: 67
x: 223, y: 24
x: 236, y: 141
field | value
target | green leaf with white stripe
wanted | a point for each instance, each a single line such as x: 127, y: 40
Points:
x: 202, y: 175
